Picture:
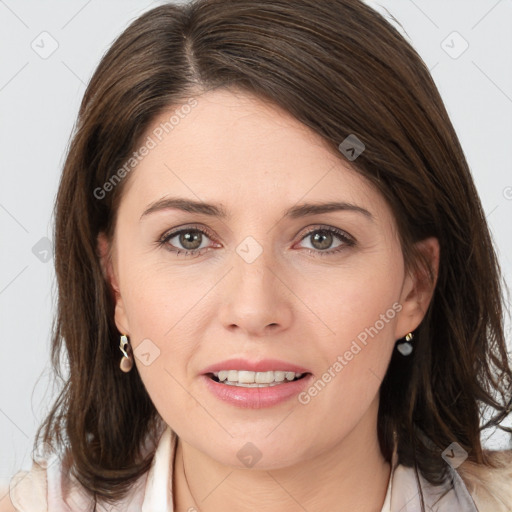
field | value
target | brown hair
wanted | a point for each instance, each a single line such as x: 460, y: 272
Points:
x: 340, y: 68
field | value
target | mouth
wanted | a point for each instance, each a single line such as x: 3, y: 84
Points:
x: 250, y: 379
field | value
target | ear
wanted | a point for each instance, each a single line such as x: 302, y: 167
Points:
x: 106, y: 255
x: 418, y: 288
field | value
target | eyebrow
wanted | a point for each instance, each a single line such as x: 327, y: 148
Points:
x: 213, y: 210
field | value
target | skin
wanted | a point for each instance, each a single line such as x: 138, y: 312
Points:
x: 290, y: 303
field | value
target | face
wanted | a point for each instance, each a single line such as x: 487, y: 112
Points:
x: 259, y: 279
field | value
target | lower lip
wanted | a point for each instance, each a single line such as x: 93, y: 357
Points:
x: 256, y: 398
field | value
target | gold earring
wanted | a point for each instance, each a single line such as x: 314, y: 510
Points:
x: 405, y: 348
x: 127, y: 359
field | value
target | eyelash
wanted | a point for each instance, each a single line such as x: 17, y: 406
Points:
x: 341, y: 235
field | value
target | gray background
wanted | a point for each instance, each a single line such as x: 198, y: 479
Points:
x: 39, y: 98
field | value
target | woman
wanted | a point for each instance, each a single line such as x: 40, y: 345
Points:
x: 266, y: 212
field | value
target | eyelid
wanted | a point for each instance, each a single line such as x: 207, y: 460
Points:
x: 205, y: 230
x: 325, y: 227
x: 186, y: 227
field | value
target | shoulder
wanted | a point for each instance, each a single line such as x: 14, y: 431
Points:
x: 26, y: 492
x: 490, y: 488
x: 5, y: 501
x: 48, y: 485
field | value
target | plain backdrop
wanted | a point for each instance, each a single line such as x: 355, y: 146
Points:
x: 49, y: 51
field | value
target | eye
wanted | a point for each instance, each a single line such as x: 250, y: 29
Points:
x: 187, y: 241
x: 323, y: 237
x: 192, y: 241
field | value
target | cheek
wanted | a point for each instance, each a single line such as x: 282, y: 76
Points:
x: 157, y: 297
x: 351, y: 299
x: 161, y: 350
x: 357, y: 325
x: 165, y: 312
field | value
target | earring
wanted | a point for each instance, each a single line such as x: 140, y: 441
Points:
x: 405, y: 348
x: 127, y: 359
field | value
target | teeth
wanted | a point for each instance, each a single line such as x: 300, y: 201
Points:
x: 254, y: 379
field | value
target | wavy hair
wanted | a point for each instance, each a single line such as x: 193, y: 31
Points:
x: 340, y: 68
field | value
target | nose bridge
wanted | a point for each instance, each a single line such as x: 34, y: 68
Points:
x: 255, y: 298
x: 251, y: 251
x: 254, y: 267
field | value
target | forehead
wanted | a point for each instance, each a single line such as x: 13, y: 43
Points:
x: 234, y: 148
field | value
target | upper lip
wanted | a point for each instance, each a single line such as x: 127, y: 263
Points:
x: 263, y: 365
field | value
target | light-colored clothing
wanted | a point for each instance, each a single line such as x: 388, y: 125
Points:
x: 52, y: 489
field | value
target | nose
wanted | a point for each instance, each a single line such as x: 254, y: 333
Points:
x: 255, y: 298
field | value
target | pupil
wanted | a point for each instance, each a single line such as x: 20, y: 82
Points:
x: 323, y: 237
x: 187, y: 238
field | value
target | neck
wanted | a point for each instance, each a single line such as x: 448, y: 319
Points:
x: 352, y: 475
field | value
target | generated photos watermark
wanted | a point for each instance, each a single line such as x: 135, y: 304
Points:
x: 343, y: 360
x: 152, y: 140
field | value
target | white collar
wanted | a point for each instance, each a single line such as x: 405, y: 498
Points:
x: 158, y: 493
x: 402, y: 493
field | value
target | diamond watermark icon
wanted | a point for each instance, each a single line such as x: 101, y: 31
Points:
x: 44, y: 45
x: 455, y: 455
x: 454, y: 45
x: 42, y: 250
x: 249, y: 455
x: 146, y: 352
x: 351, y: 147
x: 249, y: 249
